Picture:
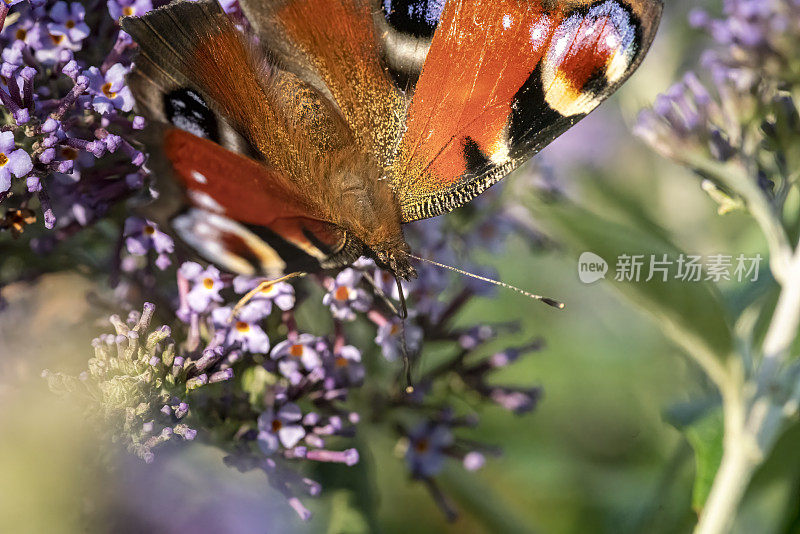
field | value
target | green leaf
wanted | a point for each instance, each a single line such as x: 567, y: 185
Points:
x: 690, y: 313
x: 355, y: 506
x: 346, y: 517
x: 254, y: 381
x: 621, y: 205
x: 681, y: 415
x: 701, y: 422
x: 705, y: 437
x: 482, y: 503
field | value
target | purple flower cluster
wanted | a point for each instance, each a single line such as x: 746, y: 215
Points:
x: 689, y: 123
x: 65, y: 142
x: 284, y: 394
x: 138, y: 384
x: 299, y: 383
x: 760, y: 34
x: 741, y: 110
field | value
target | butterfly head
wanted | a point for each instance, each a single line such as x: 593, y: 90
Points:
x: 394, y: 258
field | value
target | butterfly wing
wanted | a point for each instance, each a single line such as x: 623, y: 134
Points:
x: 405, y: 29
x: 332, y: 45
x: 195, y: 73
x: 235, y: 212
x: 501, y: 80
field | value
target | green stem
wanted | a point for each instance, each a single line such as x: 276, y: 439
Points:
x: 734, y: 474
x: 751, y: 429
x: 783, y: 328
x: 736, y: 177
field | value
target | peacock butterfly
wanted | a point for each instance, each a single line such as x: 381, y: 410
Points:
x: 308, y: 139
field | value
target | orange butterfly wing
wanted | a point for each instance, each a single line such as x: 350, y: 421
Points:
x: 263, y: 223
x: 502, y: 79
x: 257, y: 195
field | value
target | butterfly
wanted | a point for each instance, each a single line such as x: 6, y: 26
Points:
x: 309, y: 138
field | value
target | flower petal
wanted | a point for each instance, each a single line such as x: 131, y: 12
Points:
x: 267, y: 442
x: 5, y: 180
x: 191, y: 270
x: 290, y: 412
x: 6, y: 142
x: 290, y: 435
x: 19, y: 162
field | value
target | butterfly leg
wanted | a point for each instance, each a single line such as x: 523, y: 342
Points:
x: 263, y: 286
x: 379, y: 292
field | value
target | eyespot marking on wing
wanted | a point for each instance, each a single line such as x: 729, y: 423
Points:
x: 185, y: 109
x: 590, y: 50
x: 415, y: 17
x: 229, y: 244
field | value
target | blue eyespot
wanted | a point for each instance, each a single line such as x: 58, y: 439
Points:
x: 185, y: 109
x: 415, y: 17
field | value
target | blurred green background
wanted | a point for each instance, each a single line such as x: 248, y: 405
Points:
x: 596, y: 456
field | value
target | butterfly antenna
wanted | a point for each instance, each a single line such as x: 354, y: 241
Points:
x: 547, y: 300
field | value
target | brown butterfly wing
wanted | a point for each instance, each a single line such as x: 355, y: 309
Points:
x: 332, y: 45
x: 196, y: 72
x: 501, y: 80
x: 194, y: 47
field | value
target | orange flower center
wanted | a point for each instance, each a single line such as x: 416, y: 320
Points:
x: 149, y: 230
x: 422, y: 445
x: 342, y: 293
x: 208, y: 283
x: 276, y: 425
x: 127, y: 11
x: 56, y: 38
x: 268, y: 289
x: 107, y: 90
x: 21, y: 34
x: 341, y: 361
x: 241, y: 326
x: 296, y: 350
x: 70, y: 24
x: 394, y: 330
x: 3, y: 159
